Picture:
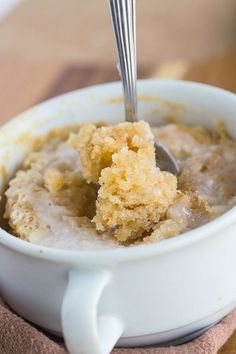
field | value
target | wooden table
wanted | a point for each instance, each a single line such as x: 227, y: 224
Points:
x: 81, y: 30
x: 25, y: 83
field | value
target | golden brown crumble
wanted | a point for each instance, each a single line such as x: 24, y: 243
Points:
x: 134, y: 194
x: 101, y: 187
x: 97, y: 145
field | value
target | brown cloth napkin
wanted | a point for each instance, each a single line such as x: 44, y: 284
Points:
x: 19, y: 337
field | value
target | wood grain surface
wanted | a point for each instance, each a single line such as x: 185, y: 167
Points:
x: 81, y: 30
x: 24, y: 84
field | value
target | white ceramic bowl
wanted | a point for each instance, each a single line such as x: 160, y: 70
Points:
x: 140, y: 295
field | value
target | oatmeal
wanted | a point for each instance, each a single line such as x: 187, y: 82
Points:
x: 100, y: 187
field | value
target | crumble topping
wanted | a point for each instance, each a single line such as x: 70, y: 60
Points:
x: 100, y: 187
x: 96, y: 146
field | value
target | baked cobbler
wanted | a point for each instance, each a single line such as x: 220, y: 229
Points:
x: 99, y: 186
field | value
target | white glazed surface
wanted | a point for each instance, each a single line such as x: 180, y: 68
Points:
x: 153, y: 293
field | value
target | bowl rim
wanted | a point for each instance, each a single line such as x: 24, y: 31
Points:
x: 113, y: 255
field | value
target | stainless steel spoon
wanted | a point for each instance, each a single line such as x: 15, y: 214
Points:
x: 124, y: 26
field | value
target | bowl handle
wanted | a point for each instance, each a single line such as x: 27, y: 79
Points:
x: 84, y: 331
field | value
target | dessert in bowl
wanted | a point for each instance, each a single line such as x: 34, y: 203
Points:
x: 118, y: 273
x: 101, y: 187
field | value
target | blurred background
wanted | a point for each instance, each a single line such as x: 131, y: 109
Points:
x: 80, y: 30
x: 52, y: 46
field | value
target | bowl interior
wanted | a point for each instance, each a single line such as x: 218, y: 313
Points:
x: 159, y: 100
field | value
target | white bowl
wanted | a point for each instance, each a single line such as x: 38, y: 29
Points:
x: 157, y: 293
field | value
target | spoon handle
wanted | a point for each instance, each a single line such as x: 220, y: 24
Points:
x: 124, y: 26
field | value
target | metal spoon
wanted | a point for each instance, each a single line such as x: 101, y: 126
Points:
x: 124, y: 26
